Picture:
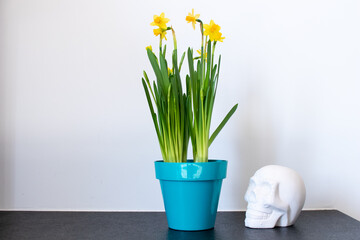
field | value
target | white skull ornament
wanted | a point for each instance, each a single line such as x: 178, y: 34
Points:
x: 275, y: 197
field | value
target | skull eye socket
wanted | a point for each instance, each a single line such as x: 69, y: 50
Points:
x: 250, y: 194
x: 252, y: 183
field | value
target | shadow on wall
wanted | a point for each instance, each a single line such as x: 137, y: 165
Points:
x: 256, y: 135
x: 6, y: 164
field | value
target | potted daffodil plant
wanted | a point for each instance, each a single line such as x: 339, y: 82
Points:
x: 181, y: 111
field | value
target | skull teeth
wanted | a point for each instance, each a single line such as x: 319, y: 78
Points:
x: 254, y: 214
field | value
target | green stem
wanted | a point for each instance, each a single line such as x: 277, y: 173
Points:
x: 160, y: 46
x: 174, y: 38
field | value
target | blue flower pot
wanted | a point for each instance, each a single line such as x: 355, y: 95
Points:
x: 191, y: 192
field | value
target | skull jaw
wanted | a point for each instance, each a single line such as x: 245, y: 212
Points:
x: 263, y: 220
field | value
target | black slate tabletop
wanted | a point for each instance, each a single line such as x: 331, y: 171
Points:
x: 316, y: 225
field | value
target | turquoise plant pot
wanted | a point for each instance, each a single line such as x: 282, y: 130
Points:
x: 191, y: 192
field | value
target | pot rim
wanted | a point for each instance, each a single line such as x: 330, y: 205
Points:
x: 191, y: 171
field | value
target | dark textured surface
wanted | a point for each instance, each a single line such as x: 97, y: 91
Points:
x: 315, y: 225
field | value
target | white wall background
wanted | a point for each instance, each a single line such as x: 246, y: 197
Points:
x: 75, y: 129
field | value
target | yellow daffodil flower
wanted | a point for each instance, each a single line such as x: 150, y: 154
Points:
x: 160, y: 21
x: 213, y: 31
x: 170, y: 71
x: 205, y: 54
x: 161, y: 32
x: 218, y: 37
x: 149, y: 47
x: 191, y: 18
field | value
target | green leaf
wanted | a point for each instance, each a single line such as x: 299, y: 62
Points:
x: 222, y: 124
x: 191, y: 64
x: 164, y: 51
x: 177, y: 84
x: 181, y: 61
x: 164, y: 71
x: 208, y: 72
x: 153, y: 115
x: 148, y: 83
x: 157, y: 71
x: 217, y: 74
